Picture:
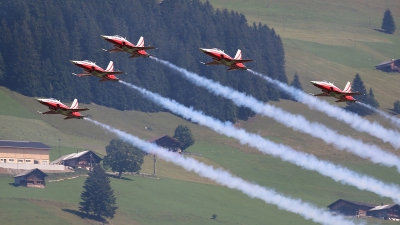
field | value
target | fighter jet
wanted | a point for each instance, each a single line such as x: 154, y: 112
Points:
x: 56, y: 107
x: 123, y: 45
x: 329, y: 89
x: 91, y: 69
x: 221, y: 58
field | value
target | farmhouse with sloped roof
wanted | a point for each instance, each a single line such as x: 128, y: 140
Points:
x: 24, y: 152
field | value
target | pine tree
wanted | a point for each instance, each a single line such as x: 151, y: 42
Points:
x: 98, y: 197
x: 366, y: 98
x: 184, y: 135
x: 371, y: 99
x: 123, y: 157
x: 388, y: 22
x: 2, y: 68
x: 396, y: 107
x: 49, y: 33
x: 296, y: 82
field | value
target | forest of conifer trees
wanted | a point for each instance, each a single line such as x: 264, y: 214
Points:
x: 39, y: 38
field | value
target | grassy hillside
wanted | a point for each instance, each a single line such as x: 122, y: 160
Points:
x: 318, y: 38
x: 217, y: 150
x: 331, y: 40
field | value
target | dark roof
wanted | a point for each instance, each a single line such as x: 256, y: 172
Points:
x: 354, y: 203
x: 30, y: 171
x: 386, y: 63
x: 161, y: 140
x: 23, y: 144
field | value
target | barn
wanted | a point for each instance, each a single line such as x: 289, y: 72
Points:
x: 26, y: 152
x: 350, y: 208
x: 31, y: 178
x: 167, y: 142
x: 84, y: 159
x: 389, y: 66
x: 387, y: 212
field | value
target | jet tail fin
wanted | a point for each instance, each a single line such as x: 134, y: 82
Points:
x: 74, y: 104
x: 110, y: 67
x: 348, y: 91
x: 347, y: 88
x: 238, y: 54
x: 140, y: 42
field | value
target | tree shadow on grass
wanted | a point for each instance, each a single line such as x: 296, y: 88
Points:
x: 122, y: 178
x: 380, y: 30
x: 85, y: 216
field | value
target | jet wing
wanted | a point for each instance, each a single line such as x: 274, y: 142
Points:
x: 48, y: 112
x: 145, y: 47
x: 113, y: 50
x: 351, y: 93
x: 112, y: 72
x: 140, y: 48
x: 322, y: 94
x: 241, y: 60
x: 211, y: 63
x: 77, y: 110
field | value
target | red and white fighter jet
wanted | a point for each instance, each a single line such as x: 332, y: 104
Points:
x: 123, y: 45
x: 56, y: 107
x: 221, y: 58
x: 91, y: 69
x: 329, y: 89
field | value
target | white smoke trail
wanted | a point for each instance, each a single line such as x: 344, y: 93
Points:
x: 304, y: 160
x: 393, y: 119
x: 296, y: 122
x: 358, y: 123
x: 304, y: 209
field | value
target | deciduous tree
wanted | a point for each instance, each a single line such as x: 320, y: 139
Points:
x: 184, y: 135
x: 123, y: 157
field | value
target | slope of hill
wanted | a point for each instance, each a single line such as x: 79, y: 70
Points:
x: 331, y: 40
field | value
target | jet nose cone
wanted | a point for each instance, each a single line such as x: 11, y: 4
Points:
x: 104, y: 37
x: 315, y: 83
x: 203, y: 49
x: 38, y: 99
x: 73, y: 62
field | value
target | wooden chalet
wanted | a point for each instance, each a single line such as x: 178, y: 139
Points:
x: 83, y: 159
x: 167, y: 142
x: 387, y: 212
x: 350, y: 208
x: 26, y: 152
x: 389, y: 66
x: 31, y: 178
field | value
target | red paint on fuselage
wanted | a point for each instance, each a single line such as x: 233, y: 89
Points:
x: 332, y: 90
x: 122, y: 44
x: 222, y: 58
x: 59, y: 108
